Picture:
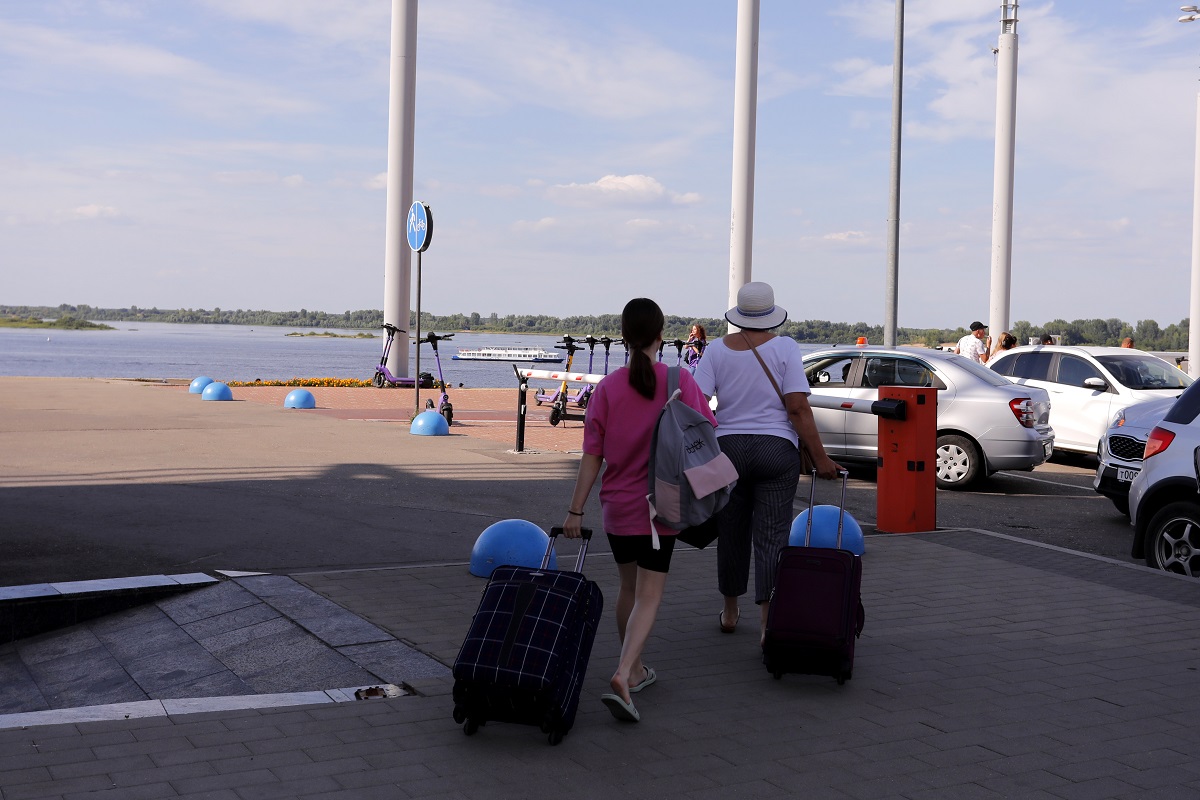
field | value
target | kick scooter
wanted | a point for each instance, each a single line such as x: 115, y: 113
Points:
x: 383, y: 376
x: 443, y: 407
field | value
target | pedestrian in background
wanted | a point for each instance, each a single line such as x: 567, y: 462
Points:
x: 976, y: 345
x: 1006, y: 342
x: 1127, y: 342
x: 694, y: 347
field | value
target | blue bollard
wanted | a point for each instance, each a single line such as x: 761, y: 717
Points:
x: 300, y: 398
x: 429, y: 423
x: 198, y: 384
x: 824, y: 530
x: 216, y: 391
x: 510, y: 541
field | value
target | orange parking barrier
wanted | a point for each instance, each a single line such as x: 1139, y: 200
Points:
x: 907, y: 489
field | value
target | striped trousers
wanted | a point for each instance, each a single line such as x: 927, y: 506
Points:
x: 758, y: 517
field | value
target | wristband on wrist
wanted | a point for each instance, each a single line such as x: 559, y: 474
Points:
x: 575, y: 513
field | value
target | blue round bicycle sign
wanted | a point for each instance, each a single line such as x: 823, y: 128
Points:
x: 420, y: 227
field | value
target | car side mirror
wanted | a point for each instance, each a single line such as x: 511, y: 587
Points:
x: 1095, y: 383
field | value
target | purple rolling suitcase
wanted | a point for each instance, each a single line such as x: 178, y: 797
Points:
x: 527, y: 649
x: 816, y: 610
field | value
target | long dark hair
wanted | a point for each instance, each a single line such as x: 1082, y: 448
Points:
x: 641, y: 326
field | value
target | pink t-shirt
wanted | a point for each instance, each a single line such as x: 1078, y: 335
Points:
x: 620, y: 423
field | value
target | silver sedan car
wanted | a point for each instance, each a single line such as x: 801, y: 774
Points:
x: 985, y: 422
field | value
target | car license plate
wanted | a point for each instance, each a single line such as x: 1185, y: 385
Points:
x: 1126, y: 475
x: 1048, y: 446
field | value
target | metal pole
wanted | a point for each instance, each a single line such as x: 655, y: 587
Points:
x: 891, y: 301
x: 522, y: 404
x: 1002, y: 176
x: 1194, y: 305
x: 402, y: 104
x: 745, y: 107
x: 417, y: 377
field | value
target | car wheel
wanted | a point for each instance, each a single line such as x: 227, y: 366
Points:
x: 1122, y: 504
x: 958, y: 462
x: 1173, y: 539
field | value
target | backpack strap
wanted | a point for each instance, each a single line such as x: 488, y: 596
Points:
x: 673, y: 391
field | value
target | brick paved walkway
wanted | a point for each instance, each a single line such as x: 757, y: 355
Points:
x: 989, y: 667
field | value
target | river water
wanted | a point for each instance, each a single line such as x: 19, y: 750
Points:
x: 160, y: 350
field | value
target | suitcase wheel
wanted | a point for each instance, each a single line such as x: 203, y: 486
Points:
x: 460, y: 716
x: 779, y: 675
x: 554, y: 737
x: 470, y: 726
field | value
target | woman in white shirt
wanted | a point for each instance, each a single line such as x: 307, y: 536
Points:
x: 762, y: 415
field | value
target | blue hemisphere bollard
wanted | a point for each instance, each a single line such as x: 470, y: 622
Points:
x: 197, y: 385
x: 510, y: 541
x: 216, y: 391
x: 429, y: 423
x: 300, y: 398
x: 824, y: 530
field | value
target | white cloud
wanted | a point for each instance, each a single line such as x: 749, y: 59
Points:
x: 94, y: 211
x: 847, y: 236
x: 619, y: 189
x: 293, y: 181
x: 50, y: 56
x: 643, y: 224
x: 536, y: 226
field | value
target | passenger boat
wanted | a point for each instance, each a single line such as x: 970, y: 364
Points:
x: 535, y: 355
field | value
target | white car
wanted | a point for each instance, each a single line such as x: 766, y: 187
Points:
x: 1164, y: 501
x: 1089, y: 385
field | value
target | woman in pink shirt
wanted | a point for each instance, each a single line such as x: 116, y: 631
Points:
x: 621, y: 415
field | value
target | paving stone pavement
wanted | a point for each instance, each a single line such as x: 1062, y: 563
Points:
x: 989, y: 667
x: 249, y: 636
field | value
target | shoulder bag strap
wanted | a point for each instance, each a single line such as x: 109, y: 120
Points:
x: 766, y: 369
x: 806, y: 463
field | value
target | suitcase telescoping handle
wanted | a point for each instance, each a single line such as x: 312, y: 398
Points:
x: 584, y: 533
x: 812, y: 500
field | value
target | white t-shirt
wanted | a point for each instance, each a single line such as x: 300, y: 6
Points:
x: 746, y: 401
x: 972, y: 347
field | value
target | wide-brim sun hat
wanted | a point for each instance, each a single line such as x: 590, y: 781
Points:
x: 756, y: 309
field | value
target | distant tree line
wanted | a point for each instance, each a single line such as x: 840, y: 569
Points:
x: 1147, y: 334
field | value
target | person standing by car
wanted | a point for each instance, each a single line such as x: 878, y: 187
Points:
x: 1006, y: 342
x: 763, y: 415
x: 976, y: 345
x: 1127, y: 342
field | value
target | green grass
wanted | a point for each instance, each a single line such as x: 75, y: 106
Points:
x: 62, y: 323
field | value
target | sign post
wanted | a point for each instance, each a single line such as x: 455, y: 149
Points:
x: 420, y: 234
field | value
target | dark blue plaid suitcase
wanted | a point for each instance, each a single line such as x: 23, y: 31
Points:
x: 526, y: 653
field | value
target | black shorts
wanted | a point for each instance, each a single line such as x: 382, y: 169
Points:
x: 627, y: 549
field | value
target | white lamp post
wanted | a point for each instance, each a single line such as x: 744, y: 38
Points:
x: 1191, y: 14
x: 1002, y: 176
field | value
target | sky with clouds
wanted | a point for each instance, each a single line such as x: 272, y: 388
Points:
x: 232, y: 154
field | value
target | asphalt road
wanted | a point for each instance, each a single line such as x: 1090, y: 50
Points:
x: 127, y: 479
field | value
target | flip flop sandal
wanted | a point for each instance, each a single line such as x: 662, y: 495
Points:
x: 650, y: 678
x: 619, y: 708
x: 721, y: 621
